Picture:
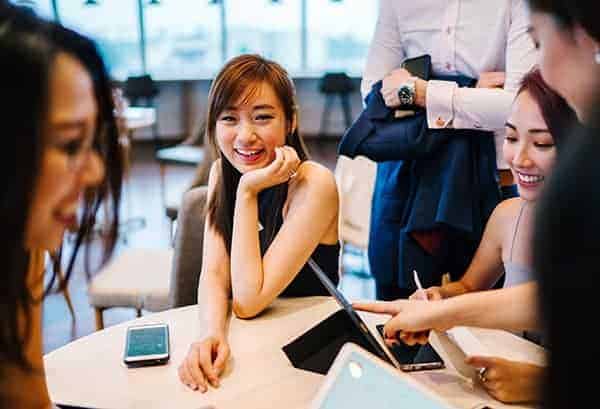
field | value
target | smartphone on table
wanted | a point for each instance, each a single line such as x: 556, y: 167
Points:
x: 146, y: 345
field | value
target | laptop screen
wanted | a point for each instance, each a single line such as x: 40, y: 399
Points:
x: 343, y: 302
x: 361, y: 383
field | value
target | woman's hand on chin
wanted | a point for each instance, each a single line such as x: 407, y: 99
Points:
x: 283, y: 167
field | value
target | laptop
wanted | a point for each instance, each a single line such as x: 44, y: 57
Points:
x: 402, y: 356
x: 357, y: 379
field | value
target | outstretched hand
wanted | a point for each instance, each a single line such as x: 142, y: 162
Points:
x: 409, y: 316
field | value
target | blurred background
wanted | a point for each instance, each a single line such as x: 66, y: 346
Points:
x: 162, y: 56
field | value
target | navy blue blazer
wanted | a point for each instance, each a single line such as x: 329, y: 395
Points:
x: 442, y: 179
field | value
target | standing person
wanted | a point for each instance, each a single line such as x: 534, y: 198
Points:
x: 62, y: 155
x: 566, y: 246
x: 269, y: 209
x: 483, y: 40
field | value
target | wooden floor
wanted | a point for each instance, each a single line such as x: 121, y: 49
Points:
x: 143, y: 199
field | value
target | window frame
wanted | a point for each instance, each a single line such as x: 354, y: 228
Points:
x: 141, y: 4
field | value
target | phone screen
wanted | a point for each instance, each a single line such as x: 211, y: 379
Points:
x: 147, y: 341
x: 414, y: 357
x: 418, y: 66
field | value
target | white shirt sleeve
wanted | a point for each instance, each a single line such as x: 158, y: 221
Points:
x: 481, y: 108
x: 385, y: 52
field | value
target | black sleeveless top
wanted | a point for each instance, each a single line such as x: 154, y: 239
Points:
x: 326, y: 256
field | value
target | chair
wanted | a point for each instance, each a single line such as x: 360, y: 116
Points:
x: 136, y: 278
x: 189, y: 241
x: 356, y: 181
x: 155, y: 279
x: 142, y: 91
x: 180, y: 155
x: 188, y: 153
x: 331, y: 85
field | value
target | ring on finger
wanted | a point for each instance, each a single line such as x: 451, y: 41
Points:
x: 482, y: 374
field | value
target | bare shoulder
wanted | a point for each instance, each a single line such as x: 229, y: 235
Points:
x: 314, y: 177
x: 504, y: 215
x: 313, y: 183
x: 508, y: 209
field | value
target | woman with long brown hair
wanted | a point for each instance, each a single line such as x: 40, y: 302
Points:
x: 62, y: 155
x: 270, y: 209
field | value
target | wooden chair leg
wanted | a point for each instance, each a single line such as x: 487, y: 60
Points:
x: 163, y: 184
x: 66, y: 294
x: 99, y: 318
x: 138, y: 312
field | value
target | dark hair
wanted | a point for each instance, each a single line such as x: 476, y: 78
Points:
x: 557, y: 114
x: 567, y: 260
x: 241, y: 78
x: 571, y: 12
x: 28, y: 49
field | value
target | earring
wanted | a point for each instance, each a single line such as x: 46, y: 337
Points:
x: 597, y: 56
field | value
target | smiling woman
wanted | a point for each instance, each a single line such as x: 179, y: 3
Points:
x: 537, y: 131
x: 270, y: 209
x: 539, y: 123
x: 63, y: 161
x: 68, y: 164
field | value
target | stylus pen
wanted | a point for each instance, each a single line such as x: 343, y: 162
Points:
x: 419, y: 286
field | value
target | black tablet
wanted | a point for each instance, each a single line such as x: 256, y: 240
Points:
x: 401, y: 356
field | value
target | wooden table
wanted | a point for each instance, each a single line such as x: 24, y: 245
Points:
x: 89, y: 371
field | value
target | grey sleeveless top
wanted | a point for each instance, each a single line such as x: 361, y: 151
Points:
x: 516, y: 273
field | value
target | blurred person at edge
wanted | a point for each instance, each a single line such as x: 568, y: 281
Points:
x: 566, y: 245
x: 62, y: 155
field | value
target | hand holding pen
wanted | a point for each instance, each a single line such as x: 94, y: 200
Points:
x: 429, y: 294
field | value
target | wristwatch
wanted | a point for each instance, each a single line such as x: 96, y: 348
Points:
x: 406, y: 92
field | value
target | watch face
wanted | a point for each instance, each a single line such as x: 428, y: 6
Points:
x: 405, y: 95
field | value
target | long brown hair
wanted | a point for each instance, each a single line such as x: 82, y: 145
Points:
x: 241, y: 78
x: 28, y: 47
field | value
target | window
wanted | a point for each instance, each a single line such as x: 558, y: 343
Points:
x: 183, y: 39
x: 339, y: 34
x: 191, y: 39
x: 42, y: 8
x: 113, y: 24
x: 267, y: 27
